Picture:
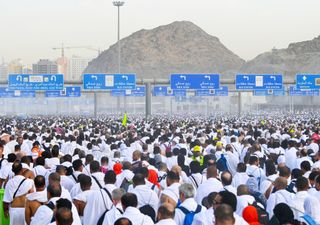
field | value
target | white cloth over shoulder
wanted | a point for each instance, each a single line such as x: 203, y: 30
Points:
x: 12, y: 187
x: 208, y: 186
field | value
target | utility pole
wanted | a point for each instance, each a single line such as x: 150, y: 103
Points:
x: 119, y: 4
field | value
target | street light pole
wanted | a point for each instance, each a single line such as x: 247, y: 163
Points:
x: 118, y: 4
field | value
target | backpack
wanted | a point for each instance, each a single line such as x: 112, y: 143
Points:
x: 162, y: 178
x: 125, y: 184
x: 168, y: 147
x: 259, y: 198
x: 263, y: 215
x: 149, y: 211
x: 291, y: 186
x: 309, y: 220
x: 101, y: 219
x: 189, y: 215
x: 51, y: 206
x: 222, y: 164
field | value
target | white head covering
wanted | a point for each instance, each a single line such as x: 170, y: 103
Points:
x: 311, y: 206
x: 281, y: 159
x: 264, y: 186
x: 171, y: 193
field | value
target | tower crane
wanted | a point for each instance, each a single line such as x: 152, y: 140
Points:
x: 62, y: 48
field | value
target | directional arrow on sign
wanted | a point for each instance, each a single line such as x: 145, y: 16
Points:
x: 125, y: 77
x: 246, y: 77
x: 208, y: 77
x: 273, y: 77
x: 304, y: 78
x: 94, y: 77
x: 183, y: 77
x: 19, y: 78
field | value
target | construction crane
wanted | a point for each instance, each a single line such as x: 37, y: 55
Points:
x: 62, y: 48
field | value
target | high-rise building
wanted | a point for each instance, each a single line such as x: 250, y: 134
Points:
x: 76, y: 67
x: 15, y: 66
x: 62, y: 63
x: 45, y: 66
x: 3, y: 71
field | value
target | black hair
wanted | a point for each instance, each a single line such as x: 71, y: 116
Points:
x: 295, y: 173
x: 173, y: 176
x: 40, y: 161
x: 76, y: 164
x: 39, y: 181
x: 110, y: 177
x: 138, y: 179
x: 195, y: 167
x: 12, y: 157
x: 94, y: 166
x: 54, y: 189
x: 129, y: 199
x: 229, y: 198
x: 16, y: 167
x: 302, y: 183
x: 55, y: 151
x: 305, y: 165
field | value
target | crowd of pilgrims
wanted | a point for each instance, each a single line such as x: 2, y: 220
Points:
x: 167, y: 170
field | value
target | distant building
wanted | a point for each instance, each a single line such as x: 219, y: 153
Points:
x: 15, y: 66
x: 3, y: 71
x: 45, y: 66
x: 62, y: 63
x: 76, y: 67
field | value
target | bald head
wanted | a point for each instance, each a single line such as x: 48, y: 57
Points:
x: 54, y: 177
x: 280, y: 183
x: 64, y: 216
x: 226, y: 178
x: 212, y: 172
x: 176, y: 169
x: 166, y: 211
x: 242, y: 190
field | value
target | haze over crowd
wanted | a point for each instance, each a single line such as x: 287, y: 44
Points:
x: 32, y: 28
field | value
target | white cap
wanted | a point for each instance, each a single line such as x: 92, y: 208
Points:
x: 281, y: 159
x: 170, y: 193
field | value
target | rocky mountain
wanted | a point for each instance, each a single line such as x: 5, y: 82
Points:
x: 180, y: 47
x: 301, y: 57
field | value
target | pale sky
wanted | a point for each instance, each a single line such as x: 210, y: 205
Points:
x: 30, y: 28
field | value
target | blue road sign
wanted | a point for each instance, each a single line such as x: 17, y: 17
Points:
x: 221, y: 91
x: 118, y: 93
x: 167, y: 91
x: 308, y: 81
x: 109, y: 81
x: 70, y: 91
x: 258, y: 82
x: 6, y: 93
x: 195, y: 81
x: 161, y: 91
x: 31, y: 82
x: 140, y: 91
x: 269, y: 92
x: 178, y: 92
x: 294, y: 91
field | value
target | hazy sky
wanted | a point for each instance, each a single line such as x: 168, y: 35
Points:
x: 30, y: 28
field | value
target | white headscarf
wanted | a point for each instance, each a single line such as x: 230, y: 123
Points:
x: 311, y: 206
